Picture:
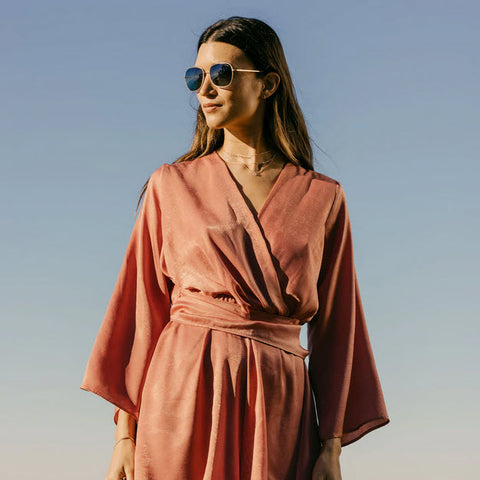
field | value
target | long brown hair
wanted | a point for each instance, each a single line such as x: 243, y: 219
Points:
x: 284, y: 126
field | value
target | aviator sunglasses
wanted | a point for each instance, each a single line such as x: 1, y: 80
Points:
x: 221, y: 75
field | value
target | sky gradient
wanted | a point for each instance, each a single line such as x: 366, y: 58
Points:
x: 93, y: 101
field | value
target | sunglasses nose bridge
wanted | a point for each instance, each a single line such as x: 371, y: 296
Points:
x: 204, y: 82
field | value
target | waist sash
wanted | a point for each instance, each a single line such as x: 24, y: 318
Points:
x: 197, y: 308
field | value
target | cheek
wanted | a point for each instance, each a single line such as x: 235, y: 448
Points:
x: 244, y: 102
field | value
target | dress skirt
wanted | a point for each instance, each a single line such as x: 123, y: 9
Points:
x: 220, y: 404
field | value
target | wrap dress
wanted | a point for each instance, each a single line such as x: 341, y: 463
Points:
x: 201, y: 338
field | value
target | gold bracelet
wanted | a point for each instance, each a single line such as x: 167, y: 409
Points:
x: 124, y: 438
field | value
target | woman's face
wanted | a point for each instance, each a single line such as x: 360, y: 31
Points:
x: 241, y: 103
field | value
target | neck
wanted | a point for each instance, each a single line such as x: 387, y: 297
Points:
x: 251, y: 150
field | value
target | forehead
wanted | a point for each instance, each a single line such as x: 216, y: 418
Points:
x: 214, y: 52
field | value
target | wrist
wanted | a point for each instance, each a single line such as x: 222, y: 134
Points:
x: 126, y: 426
x: 127, y: 438
x: 332, y: 446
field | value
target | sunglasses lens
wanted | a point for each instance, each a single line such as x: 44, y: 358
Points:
x: 193, y: 78
x: 221, y: 74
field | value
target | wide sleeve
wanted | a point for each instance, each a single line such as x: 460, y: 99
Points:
x: 137, y: 312
x: 342, y: 370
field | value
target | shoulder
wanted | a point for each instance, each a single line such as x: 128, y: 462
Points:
x: 166, y: 170
x: 327, y: 189
x: 180, y: 169
x: 173, y: 179
x: 337, y: 200
x: 328, y: 182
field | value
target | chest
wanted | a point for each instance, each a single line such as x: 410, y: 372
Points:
x: 255, y: 189
x: 279, y: 220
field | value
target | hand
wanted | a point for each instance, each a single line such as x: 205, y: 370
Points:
x: 123, y: 461
x: 327, y: 466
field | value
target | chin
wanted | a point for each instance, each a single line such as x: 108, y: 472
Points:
x: 215, y: 124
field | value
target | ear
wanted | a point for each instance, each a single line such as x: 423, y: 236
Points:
x: 271, y: 81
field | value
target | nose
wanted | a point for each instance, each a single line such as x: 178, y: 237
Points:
x: 207, y: 85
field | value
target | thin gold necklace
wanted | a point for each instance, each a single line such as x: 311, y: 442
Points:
x: 248, y: 156
x: 254, y: 172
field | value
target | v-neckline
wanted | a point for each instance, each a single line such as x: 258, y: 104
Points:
x: 276, y: 184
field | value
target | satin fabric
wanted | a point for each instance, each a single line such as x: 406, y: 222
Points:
x: 200, y: 340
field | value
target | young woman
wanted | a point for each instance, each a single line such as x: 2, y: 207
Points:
x: 237, y: 244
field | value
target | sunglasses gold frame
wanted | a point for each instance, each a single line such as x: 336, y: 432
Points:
x: 204, y: 74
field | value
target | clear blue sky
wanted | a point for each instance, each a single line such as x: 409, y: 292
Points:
x: 93, y: 100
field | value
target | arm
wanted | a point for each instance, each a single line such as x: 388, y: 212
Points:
x: 332, y: 445
x: 327, y: 465
x: 122, y: 463
x: 126, y: 425
x: 343, y: 374
x: 138, y: 311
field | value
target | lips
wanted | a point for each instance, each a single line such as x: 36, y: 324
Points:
x: 210, y: 107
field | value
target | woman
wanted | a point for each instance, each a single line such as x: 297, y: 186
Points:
x: 237, y: 244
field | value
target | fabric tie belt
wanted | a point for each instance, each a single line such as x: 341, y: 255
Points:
x: 197, y: 308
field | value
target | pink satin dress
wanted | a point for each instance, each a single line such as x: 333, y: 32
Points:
x: 200, y: 341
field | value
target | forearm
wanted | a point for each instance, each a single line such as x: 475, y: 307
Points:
x: 126, y: 425
x: 333, y: 445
